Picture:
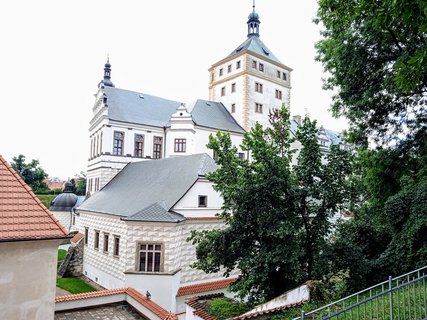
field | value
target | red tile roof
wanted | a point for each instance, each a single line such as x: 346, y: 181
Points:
x: 199, y: 305
x: 22, y: 215
x: 77, y: 237
x: 204, y: 287
x: 140, y: 298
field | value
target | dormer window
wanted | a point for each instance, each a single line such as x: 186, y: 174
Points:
x: 203, y: 201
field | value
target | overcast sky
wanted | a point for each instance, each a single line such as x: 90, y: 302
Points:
x: 53, y: 52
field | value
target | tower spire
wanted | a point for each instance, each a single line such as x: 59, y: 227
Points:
x: 253, y: 22
x: 107, y: 74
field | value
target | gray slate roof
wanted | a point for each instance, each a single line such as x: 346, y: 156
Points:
x: 213, y: 115
x: 141, y: 108
x: 253, y: 43
x: 148, y: 190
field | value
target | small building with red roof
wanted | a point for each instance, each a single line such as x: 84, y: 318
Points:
x: 29, y: 240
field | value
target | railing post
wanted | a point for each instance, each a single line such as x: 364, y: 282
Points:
x: 302, y: 315
x: 390, y: 288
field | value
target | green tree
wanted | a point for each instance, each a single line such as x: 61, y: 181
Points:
x: 376, y: 55
x: 81, y: 184
x: 31, y: 173
x: 276, y: 216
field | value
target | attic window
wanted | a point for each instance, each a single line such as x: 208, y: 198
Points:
x: 266, y: 52
x: 239, y: 49
x: 208, y: 104
x: 141, y: 96
x: 203, y: 201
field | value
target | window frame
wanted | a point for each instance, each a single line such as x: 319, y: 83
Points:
x: 222, y: 91
x: 105, y: 242
x: 233, y: 108
x: 233, y: 87
x: 86, y: 236
x: 259, y: 87
x: 121, y: 141
x: 221, y: 72
x: 138, y: 152
x: 284, y: 76
x: 180, y: 145
x: 138, y: 255
x: 204, y: 203
x: 160, y: 144
x: 229, y: 68
x: 258, y: 107
x: 261, y: 67
x: 116, y: 245
x: 96, y: 240
x: 278, y: 94
x: 238, y: 64
x: 254, y: 64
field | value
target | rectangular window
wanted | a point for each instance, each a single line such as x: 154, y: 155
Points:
x: 86, y: 235
x: 284, y: 76
x: 203, y: 201
x: 116, y: 251
x: 258, y: 107
x: 223, y: 91
x: 278, y: 94
x: 233, y: 87
x: 221, y: 71
x: 238, y: 64
x: 118, y: 143
x: 212, y: 77
x: 261, y: 67
x: 254, y: 64
x: 180, y: 145
x: 241, y: 155
x: 258, y: 87
x: 279, y: 74
x: 229, y: 68
x: 150, y: 257
x: 157, y: 147
x: 233, y: 108
x: 106, y: 236
x: 96, y: 242
x: 139, y: 146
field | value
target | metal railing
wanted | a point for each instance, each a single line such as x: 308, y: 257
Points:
x: 403, y: 297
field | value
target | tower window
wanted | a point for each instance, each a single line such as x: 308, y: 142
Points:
x: 278, y: 94
x: 229, y: 68
x: 233, y: 108
x: 254, y: 64
x: 139, y: 145
x: 223, y: 91
x: 118, y: 143
x: 279, y: 74
x: 284, y: 76
x: 258, y: 87
x: 180, y: 145
x: 258, y: 107
x: 203, y: 201
x: 157, y: 147
x: 212, y: 77
x: 221, y: 71
x: 238, y: 64
x: 261, y: 67
x: 233, y: 87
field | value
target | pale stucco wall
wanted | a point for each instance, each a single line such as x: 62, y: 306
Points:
x: 27, y: 279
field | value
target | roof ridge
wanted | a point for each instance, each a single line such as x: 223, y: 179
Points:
x: 32, y: 194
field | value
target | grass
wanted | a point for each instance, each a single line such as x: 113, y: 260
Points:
x: 46, y: 199
x: 74, y: 285
x: 407, y: 303
x: 61, y: 254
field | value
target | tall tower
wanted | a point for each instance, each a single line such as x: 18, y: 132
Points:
x: 250, y: 81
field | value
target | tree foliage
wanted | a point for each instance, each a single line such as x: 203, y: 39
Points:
x: 31, y: 173
x: 376, y: 55
x: 276, y: 216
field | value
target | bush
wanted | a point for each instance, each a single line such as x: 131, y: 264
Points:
x: 224, y: 308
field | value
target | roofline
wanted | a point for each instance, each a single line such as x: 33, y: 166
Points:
x: 247, y: 51
x: 68, y: 236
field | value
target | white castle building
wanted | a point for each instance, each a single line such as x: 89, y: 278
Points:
x: 141, y: 211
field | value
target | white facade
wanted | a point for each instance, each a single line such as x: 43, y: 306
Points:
x: 24, y: 294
